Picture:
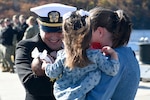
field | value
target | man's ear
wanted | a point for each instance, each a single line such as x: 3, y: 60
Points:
x: 38, y: 21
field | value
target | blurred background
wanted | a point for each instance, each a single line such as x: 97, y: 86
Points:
x: 138, y: 10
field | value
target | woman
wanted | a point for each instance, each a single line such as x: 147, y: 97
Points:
x: 77, y: 64
x: 113, y: 28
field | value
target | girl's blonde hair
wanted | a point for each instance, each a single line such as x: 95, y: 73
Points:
x: 77, y: 36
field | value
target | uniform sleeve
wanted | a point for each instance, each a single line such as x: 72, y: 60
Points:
x: 108, y: 66
x: 55, y: 70
x: 33, y: 84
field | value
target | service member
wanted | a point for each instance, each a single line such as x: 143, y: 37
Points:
x: 38, y: 86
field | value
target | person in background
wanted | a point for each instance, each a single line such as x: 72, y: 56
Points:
x: 113, y: 28
x: 32, y: 29
x: 15, y: 22
x: 1, y: 53
x: 16, y: 27
x: 6, y: 45
x: 1, y: 24
x: 38, y: 86
x: 23, y: 26
x: 79, y: 66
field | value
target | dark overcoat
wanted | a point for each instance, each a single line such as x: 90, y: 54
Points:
x: 37, y: 88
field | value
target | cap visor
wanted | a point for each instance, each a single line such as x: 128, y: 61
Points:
x: 50, y: 29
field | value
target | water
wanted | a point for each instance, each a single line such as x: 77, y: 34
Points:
x: 136, y: 36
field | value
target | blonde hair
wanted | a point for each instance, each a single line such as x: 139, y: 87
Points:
x: 77, y: 36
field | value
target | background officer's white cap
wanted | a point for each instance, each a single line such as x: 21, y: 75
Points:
x: 50, y: 15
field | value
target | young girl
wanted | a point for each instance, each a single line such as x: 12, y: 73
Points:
x: 77, y: 67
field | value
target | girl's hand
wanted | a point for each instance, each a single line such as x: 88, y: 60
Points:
x: 109, y: 51
x: 45, y: 62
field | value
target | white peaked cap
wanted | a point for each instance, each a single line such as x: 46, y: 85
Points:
x: 50, y: 15
x: 43, y: 10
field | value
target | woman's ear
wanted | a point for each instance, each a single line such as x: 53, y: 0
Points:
x: 100, y: 31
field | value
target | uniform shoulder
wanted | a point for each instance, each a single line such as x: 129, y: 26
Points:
x: 28, y: 42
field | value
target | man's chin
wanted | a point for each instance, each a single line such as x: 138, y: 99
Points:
x: 55, y: 47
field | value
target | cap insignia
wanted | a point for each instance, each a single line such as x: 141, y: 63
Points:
x: 53, y: 16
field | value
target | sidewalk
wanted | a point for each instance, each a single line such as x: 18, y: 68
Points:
x: 143, y: 92
x: 12, y: 89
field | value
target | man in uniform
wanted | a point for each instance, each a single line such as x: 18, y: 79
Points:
x: 38, y: 86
